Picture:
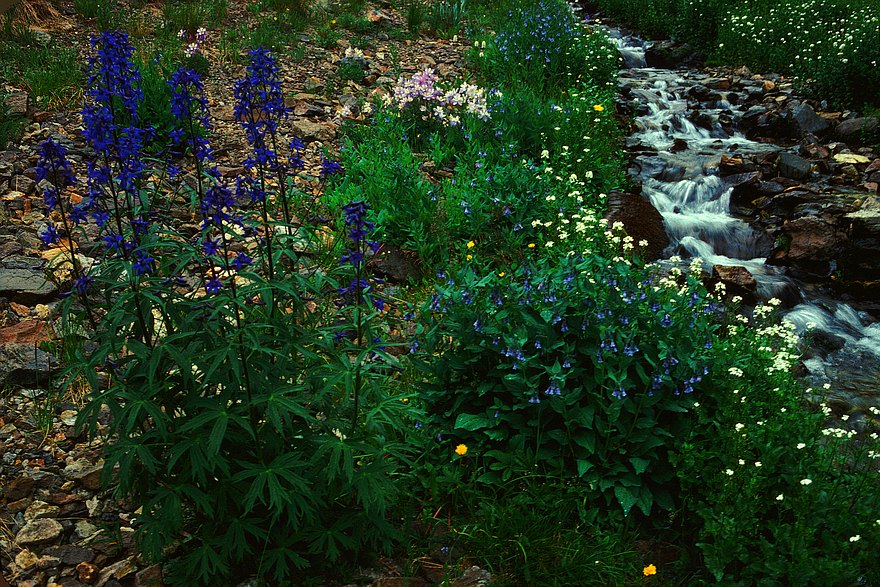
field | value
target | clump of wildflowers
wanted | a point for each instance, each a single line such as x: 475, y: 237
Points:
x: 422, y: 98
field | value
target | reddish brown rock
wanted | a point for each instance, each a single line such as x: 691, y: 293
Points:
x: 641, y: 220
x: 811, y: 245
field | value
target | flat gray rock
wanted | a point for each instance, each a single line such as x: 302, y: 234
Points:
x: 26, y: 286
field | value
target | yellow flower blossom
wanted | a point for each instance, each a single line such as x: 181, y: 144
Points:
x: 649, y: 570
x: 471, y: 244
x: 598, y: 108
x: 461, y: 450
x: 531, y: 245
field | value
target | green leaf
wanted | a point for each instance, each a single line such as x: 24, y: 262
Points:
x: 640, y: 465
x: 626, y: 498
x: 583, y: 466
x: 473, y: 422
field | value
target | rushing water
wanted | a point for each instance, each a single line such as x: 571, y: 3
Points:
x: 676, y: 163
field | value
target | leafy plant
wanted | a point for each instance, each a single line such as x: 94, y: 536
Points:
x: 766, y: 474
x: 256, y: 424
x: 544, y: 46
x: 327, y: 37
x: 579, y: 368
x: 445, y: 17
x: 415, y: 16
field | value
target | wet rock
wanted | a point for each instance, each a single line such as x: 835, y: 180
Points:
x: 823, y: 343
x: 858, y: 130
x: 642, y: 222
x: 17, y: 103
x: 851, y: 158
x: 149, y: 577
x: 397, y: 265
x: 70, y: 555
x: 473, y: 577
x: 738, y: 281
x: 39, y: 531
x: 24, y: 184
x: 810, y: 246
x: 864, y: 246
x: 794, y: 167
x: 41, y: 509
x: 87, y: 573
x: 806, y: 121
x: 116, y: 572
x: 310, y: 131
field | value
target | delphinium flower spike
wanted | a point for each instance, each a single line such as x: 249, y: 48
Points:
x: 260, y: 109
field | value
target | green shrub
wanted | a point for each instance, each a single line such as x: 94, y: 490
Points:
x: 382, y: 170
x: 542, y: 45
x: 574, y: 367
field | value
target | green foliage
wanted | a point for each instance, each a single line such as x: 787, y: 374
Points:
x: 155, y: 110
x: 536, y: 535
x: 51, y: 74
x: 542, y: 45
x: 327, y: 37
x: 445, y: 17
x: 577, y: 367
x: 354, y: 23
x: 378, y: 163
x: 190, y: 15
x: 774, y: 489
x: 299, y: 8
x: 105, y: 12
x: 351, y: 69
x: 415, y: 16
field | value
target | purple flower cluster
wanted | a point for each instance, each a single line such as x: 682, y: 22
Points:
x: 112, y: 128
x: 190, y: 108
x: 358, y: 228
x: 260, y: 109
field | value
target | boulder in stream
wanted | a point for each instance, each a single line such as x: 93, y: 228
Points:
x: 641, y: 220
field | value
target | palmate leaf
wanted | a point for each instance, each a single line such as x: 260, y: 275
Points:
x: 330, y: 542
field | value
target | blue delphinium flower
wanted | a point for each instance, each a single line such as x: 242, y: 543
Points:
x: 50, y: 235
x: 259, y: 107
x: 358, y: 229
x: 190, y: 108
x: 329, y: 167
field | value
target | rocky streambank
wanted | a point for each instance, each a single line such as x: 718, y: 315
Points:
x: 811, y: 191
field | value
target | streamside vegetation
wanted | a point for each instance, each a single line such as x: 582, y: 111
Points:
x: 538, y: 400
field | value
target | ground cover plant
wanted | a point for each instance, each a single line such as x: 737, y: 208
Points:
x: 537, y: 399
x: 831, y: 46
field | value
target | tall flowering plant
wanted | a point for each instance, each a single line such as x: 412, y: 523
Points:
x: 215, y: 348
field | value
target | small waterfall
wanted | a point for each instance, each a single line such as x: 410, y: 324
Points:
x: 679, y: 143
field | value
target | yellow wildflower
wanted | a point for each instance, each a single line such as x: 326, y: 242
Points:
x: 649, y: 570
x: 471, y: 244
x: 598, y: 108
x: 531, y: 245
x: 502, y: 274
x: 469, y: 257
x: 461, y: 450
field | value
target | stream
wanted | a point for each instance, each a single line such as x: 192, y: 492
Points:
x: 676, y: 163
